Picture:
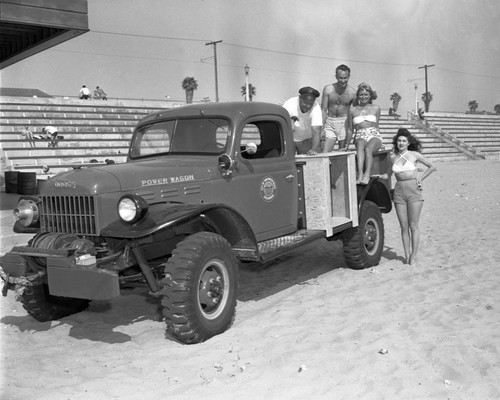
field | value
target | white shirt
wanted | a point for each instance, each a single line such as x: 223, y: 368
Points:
x: 50, y: 130
x: 302, y: 127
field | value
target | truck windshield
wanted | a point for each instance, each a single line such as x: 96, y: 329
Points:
x: 181, y: 136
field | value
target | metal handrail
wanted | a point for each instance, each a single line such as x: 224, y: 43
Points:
x: 448, y: 138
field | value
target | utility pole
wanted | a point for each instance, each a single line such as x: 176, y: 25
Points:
x: 247, y: 94
x: 214, y: 44
x: 426, y: 66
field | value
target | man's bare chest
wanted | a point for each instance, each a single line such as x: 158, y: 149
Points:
x: 344, y: 99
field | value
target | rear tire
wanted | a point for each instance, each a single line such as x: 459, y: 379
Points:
x: 363, y: 245
x: 200, y: 288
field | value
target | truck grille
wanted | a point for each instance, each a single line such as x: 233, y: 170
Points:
x: 68, y: 214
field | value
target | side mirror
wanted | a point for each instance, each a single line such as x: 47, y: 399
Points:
x: 225, y: 163
x: 250, y: 148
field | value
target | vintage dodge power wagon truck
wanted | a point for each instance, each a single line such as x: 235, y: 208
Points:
x: 205, y: 187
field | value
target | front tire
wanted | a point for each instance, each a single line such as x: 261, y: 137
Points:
x: 42, y: 306
x: 200, y: 288
x: 363, y: 245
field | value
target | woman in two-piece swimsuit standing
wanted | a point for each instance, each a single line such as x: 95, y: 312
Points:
x: 365, y: 118
x: 408, y: 197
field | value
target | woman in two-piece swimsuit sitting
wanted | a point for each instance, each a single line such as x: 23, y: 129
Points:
x: 408, y: 198
x: 365, y: 119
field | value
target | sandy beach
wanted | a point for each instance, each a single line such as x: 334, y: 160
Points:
x: 306, y: 327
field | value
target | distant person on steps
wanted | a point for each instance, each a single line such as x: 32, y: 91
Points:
x: 100, y: 94
x: 50, y: 133
x: 26, y: 133
x: 84, y: 93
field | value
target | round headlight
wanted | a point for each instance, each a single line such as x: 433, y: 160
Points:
x: 132, y: 208
x: 26, y: 212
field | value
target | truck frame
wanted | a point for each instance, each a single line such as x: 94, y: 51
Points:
x: 205, y: 188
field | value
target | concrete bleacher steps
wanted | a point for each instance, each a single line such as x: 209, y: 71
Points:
x: 91, y: 130
x: 433, y: 148
x: 96, y: 130
x: 482, y: 132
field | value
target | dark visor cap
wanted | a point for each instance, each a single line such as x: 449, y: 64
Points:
x: 308, y: 91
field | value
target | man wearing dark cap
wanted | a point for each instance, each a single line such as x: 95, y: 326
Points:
x: 307, y: 120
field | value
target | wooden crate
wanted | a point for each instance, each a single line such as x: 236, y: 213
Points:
x: 330, y: 190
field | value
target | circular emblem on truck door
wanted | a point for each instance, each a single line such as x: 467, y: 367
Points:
x: 268, y: 188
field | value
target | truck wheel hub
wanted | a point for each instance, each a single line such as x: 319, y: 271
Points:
x: 211, y: 287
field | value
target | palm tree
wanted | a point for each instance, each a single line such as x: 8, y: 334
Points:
x: 189, y: 84
x: 251, y: 91
x: 395, y: 98
x: 497, y: 108
x: 427, y: 98
x: 473, y: 106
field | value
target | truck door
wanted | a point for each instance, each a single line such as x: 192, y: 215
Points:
x: 267, y: 180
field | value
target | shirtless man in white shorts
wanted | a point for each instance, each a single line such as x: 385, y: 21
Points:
x: 335, y: 103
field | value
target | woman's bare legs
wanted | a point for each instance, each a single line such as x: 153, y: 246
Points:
x: 414, y: 210
x: 402, y: 213
x: 373, y: 145
x: 408, y: 216
x: 360, y: 154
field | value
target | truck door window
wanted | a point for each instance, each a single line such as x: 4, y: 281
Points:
x: 266, y: 135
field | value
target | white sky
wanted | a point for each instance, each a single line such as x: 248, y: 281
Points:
x: 144, y: 48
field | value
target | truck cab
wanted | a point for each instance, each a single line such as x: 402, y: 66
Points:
x: 261, y: 177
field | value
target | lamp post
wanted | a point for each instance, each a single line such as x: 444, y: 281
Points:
x: 247, y: 94
x: 416, y: 99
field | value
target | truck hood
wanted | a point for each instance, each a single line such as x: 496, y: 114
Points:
x: 132, y: 176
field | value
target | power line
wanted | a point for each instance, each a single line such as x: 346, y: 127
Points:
x: 469, y: 73
x: 257, y: 48
x: 321, y: 57
x: 266, y: 50
x: 123, y: 56
x: 150, y: 36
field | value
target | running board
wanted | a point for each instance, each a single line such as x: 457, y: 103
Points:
x: 273, y: 248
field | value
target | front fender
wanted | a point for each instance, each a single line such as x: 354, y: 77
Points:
x: 376, y: 191
x: 217, y: 217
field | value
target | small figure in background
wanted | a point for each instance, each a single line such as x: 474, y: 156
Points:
x: 84, y: 93
x: 28, y: 135
x: 50, y: 133
x: 100, y: 94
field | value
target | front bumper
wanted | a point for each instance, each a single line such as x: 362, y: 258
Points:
x: 63, y: 276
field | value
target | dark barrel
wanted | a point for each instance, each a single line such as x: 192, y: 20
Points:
x: 11, y: 185
x: 27, y: 183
